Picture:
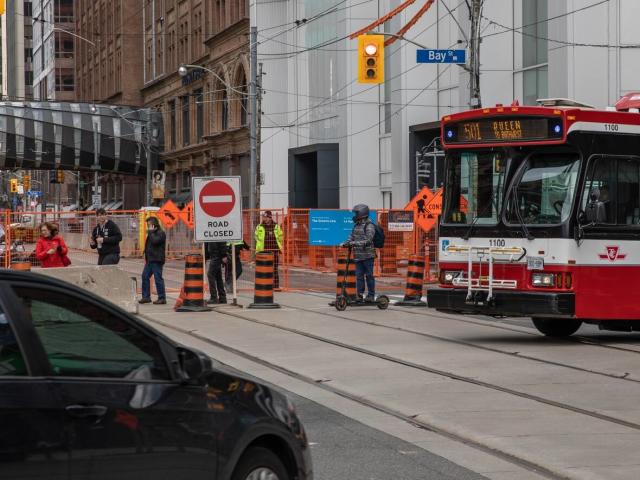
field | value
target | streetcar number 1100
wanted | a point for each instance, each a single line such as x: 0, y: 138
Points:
x: 497, y: 242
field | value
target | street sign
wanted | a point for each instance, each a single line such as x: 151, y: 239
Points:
x: 441, y: 56
x: 400, y: 221
x: 186, y: 215
x: 217, y: 209
x: 169, y: 214
x: 96, y: 200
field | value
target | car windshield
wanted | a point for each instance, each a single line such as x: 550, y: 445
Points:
x: 476, y: 187
x: 544, y: 193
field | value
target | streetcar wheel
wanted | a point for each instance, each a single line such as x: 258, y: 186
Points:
x: 556, y: 327
x: 383, y: 302
x: 341, y: 303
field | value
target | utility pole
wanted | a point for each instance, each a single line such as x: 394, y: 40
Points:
x: 259, y: 136
x: 475, y: 15
x: 253, y: 133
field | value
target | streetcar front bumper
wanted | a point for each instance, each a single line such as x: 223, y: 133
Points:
x: 504, y: 303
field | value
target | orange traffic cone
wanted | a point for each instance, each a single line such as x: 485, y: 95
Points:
x: 180, y: 300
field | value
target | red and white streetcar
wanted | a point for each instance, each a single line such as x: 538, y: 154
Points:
x: 541, y: 216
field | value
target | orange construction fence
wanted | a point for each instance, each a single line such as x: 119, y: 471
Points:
x: 301, y: 266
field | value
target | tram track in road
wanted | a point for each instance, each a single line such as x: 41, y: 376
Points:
x: 326, y: 386
x: 623, y: 377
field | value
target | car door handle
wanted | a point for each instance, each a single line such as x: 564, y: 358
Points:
x: 86, y: 411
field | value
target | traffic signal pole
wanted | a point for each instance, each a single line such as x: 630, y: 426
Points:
x: 475, y: 100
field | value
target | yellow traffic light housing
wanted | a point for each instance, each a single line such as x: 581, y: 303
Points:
x: 59, y: 176
x: 13, y: 185
x: 2, y: 7
x: 371, y: 59
x: 26, y: 183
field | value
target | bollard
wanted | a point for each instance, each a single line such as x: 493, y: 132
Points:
x: 263, y: 295
x: 193, y: 300
x: 352, y: 294
x: 415, y: 279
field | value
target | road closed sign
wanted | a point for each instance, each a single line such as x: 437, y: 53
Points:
x: 217, y: 203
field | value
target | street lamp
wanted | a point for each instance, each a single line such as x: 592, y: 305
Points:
x: 253, y: 134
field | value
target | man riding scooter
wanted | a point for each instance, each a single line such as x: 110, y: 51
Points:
x: 364, y: 252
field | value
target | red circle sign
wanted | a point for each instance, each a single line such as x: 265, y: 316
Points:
x: 217, y: 199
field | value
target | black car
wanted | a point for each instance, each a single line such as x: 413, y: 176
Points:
x: 89, y: 392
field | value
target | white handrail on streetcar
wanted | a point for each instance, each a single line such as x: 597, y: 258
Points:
x: 486, y: 283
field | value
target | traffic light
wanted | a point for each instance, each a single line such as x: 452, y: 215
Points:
x: 26, y: 183
x: 59, y: 176
x: 2, y: 7
x: 13, y: 185
x: 371, y: 59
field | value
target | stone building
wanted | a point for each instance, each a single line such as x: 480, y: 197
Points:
x: 205, y: 112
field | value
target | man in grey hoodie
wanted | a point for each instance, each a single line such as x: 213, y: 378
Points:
x: 363, y: 251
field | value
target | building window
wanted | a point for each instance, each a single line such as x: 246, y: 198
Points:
x: 28, y: 78
x: 28, y: 9
x: 224, y: 111
x: 186, y: 181
x: 535, y: 50
x: 199, y: 99
x: 172, y: 124
x: 186, y: 133
x: 63, y: 12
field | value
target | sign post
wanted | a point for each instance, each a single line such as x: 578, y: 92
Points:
x: 217, y: 212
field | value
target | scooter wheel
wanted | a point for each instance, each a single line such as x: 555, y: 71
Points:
x: 383, y: 302
x: 341, y: 303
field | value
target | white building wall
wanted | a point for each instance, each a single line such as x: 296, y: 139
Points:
x: 312, y: 97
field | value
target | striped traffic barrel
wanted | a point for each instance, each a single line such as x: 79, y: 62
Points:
x: 415, y: 280
x: 263, y: 293
x: 193, y: 299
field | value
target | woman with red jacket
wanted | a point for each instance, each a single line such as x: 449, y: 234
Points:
x: 50, y: 249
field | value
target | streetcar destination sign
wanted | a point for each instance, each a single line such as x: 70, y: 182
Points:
x: 503, y: 129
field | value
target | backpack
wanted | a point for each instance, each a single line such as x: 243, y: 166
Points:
x: 378, y: 237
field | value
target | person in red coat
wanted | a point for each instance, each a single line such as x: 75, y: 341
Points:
x: 50, y: 248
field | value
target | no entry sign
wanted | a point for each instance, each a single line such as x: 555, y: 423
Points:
x: 217, y: 209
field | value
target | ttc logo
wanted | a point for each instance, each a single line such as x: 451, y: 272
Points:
x: 613, y: 254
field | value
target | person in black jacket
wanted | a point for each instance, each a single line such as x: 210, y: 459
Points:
x: 218, y: 256
x: 154, y: 256
x: 106, y: 238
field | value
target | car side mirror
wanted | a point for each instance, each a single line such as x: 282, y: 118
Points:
x: 194, y: 365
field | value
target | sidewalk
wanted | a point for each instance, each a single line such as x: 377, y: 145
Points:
x: 489, y: 411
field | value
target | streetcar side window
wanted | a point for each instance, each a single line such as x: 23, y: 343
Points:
x: 616, y: 184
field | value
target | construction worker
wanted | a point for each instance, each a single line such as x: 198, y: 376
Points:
x: 269, y: 238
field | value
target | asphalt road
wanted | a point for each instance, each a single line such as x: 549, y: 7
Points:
x: 343, y: 449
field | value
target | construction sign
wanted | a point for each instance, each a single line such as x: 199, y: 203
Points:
x: 186, y: 215
x: 169, y: 214
x: 426, y: 207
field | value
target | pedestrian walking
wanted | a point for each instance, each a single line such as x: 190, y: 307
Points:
x: 106, y: 238
x: 363, y: 251
x: 51, y: 251
x: 269, y: 239
x: 218, y: 253
x: 154, y: 257
x: 242, y: 245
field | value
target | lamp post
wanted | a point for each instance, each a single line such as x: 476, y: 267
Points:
x: 253, y: 134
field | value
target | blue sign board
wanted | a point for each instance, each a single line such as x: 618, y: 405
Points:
x: 441, y: 56
x: 328, y: 228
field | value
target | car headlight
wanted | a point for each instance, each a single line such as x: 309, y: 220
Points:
x: 543, y: 279
x: 448, y: 276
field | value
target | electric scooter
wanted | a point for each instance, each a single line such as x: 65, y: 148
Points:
x: 342, y: 301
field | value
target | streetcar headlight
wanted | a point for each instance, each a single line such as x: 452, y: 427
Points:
x: 543, y: 279
x: 447, y: 277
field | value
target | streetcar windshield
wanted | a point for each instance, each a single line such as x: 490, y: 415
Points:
x: 544, y: 193
x: 476, y: 183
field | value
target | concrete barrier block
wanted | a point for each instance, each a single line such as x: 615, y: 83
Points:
x: 108, y: 282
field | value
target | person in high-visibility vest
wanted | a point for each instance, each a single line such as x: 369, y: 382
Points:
x: 269, y: 238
